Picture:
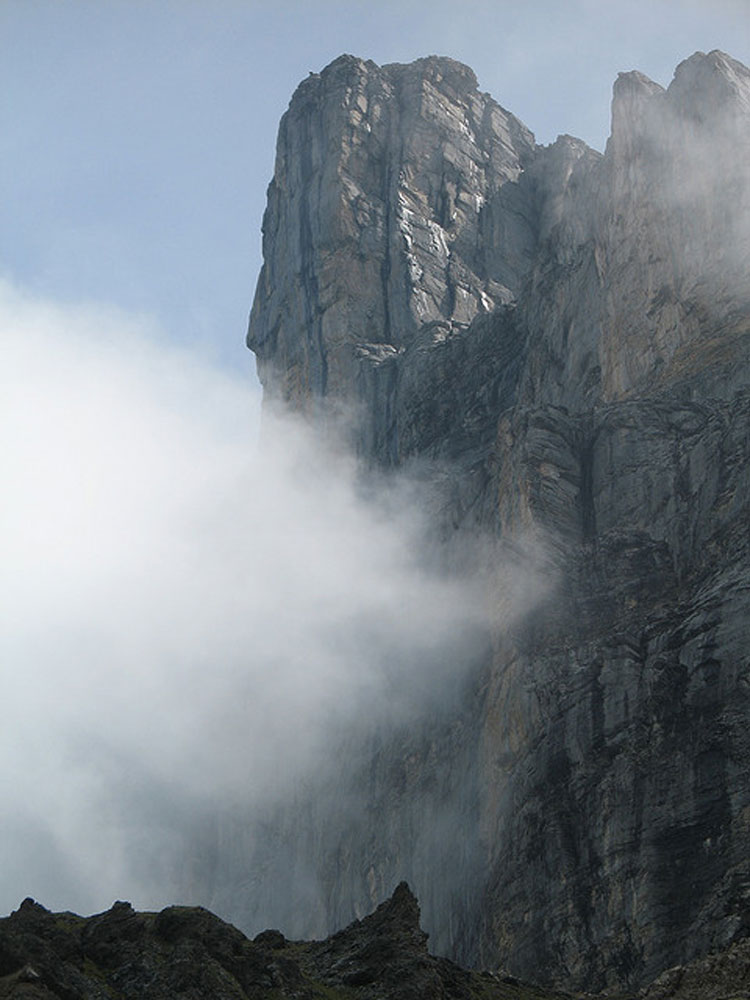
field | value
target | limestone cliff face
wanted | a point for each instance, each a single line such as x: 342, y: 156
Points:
x: 391, y: 207
x: 569, y: 334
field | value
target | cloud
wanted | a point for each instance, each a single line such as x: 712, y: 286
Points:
x: 187, y: 617
x: 695, y: 136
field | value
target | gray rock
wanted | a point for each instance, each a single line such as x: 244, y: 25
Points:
x: 561, y: 340
x: 394, y: 203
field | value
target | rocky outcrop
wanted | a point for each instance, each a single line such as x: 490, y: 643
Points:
x: 188, y: 952
x: 719, y: 976
x: 564, y: 338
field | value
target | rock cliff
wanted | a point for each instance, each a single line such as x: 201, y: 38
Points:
x: 565, y: 336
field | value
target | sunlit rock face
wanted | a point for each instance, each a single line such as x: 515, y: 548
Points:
x: 564, y: 337
x: 392, y: 206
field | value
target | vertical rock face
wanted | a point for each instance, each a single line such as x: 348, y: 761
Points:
x: 570, y: 334
x: 391, y: 207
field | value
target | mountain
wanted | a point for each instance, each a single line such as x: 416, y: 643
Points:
x: 188, y: 952
x: 557, y: 342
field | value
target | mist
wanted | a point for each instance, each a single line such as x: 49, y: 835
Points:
x: 190, y: 618
x: 704, y: 195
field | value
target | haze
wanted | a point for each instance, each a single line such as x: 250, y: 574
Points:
x: 184, y: 620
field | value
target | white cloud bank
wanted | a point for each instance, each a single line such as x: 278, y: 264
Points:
x: 185, y: 617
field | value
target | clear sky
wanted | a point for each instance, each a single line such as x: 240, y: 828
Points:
x: 137, y: 136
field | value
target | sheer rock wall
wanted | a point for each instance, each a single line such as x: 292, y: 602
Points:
x: 569, y: 334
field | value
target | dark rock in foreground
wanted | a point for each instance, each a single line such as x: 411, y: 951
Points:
x: 189, y: 952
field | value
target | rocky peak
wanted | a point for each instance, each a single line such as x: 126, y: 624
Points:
x: 677, y: 183
x: 632, y: 95
x: 30, y: 910
x: 386, y: 946
x: 395, y: 202
x: 705, y: 83
x: 442, y: 71
x: 399, y: 917
x: 706, y: 92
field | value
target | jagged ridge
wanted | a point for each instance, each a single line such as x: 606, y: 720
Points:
x: 189, y: 952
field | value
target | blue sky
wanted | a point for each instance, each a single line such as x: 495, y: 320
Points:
x: 137, y: 136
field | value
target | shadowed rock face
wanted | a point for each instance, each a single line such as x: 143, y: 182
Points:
x: 568, y: 334
x: 188, y: 952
